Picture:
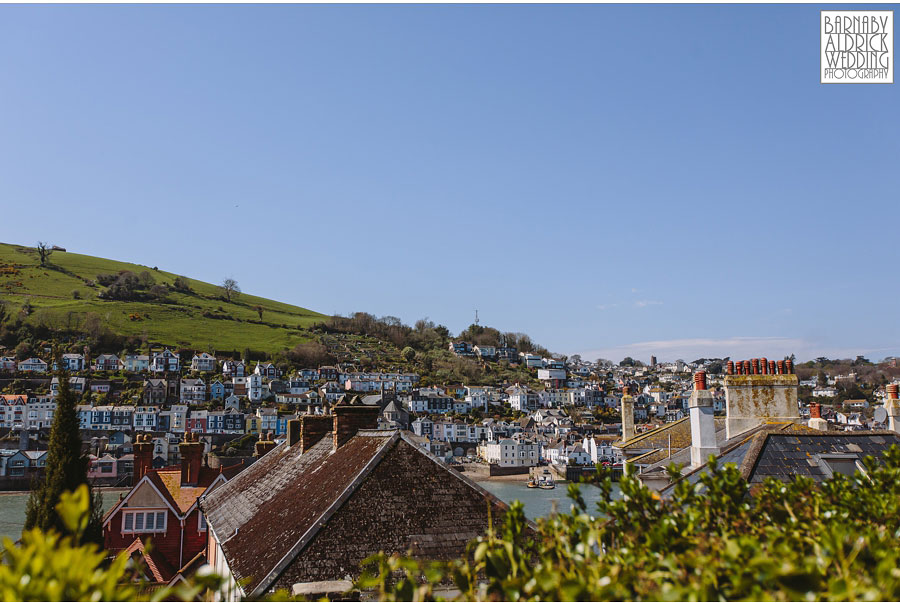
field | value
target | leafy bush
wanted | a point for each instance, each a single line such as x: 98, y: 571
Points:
x: 48, y: 566
x: 803, y: 540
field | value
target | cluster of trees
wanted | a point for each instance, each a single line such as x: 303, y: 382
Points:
x: 128, y: 286
x: 802, y: 540
x: 424, y: 335
x: 311, y: 354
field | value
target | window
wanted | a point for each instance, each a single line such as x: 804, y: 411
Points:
x: 144, y: 521
x: 202, y: 523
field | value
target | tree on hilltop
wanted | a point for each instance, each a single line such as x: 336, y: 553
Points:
x: 44, y: 250
x: 230, y: 289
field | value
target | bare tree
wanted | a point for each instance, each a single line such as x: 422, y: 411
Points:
x: 44, y: 251
x: 230, y: 288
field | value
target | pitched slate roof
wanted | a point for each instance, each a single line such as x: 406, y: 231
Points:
x: 295, y: 517
x: 784, y: 451
x: 786, y: 455
x: 679, y: 431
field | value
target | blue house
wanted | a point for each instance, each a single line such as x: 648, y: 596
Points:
x: 26, y: 462
x: 281, y: 424
x: 217, y: 390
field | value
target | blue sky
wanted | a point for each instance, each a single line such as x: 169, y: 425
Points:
x: 612, y: 180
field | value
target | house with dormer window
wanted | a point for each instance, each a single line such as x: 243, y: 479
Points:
x: 166, y: 361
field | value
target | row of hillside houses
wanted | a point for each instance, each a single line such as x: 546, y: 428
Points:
x: 180, y: 419
x: 165, y: 361
x: 526, y: 451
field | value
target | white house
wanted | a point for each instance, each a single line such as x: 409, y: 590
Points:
x: 137, y: 363
x: 145, y: 418
x: 33, y: 365
x: 255, y: 389
x: 203, y: 363
x: 73, y: 362
x: 510, y: 453
x: 523, y: 399
x: 165, y: 361
x: 193, y: 391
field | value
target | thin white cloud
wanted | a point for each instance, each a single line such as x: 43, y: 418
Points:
x: 646, y: 302
x: 602, y: 307
x: 734, y: 347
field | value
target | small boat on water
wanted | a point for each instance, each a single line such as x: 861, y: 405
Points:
x: 543, y: 481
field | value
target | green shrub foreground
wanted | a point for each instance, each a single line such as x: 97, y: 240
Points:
x: 835, y: 540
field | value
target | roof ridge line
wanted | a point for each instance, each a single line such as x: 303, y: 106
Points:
x: 295, y: 550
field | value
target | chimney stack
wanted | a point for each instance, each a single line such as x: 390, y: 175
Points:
x: 627, y: 414
x: 703, y: 426
x: 350, y: 417
x: 265, y: 444
x: 892, y: 406
x: 757, y: 393
x: 311, y: 429
x: 143, y: 456
x: 815, y: 417
x: 293, y: 432
x: 191, y: 450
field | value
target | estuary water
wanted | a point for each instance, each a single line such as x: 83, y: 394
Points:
x: 13, y: 504
x: 538, y: 502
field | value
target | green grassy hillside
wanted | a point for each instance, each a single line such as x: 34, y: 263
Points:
x: 200, y: 319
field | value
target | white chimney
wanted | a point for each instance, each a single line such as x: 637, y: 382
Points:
x: 892, y: 406
x: 703, y: 425
x: 627, y: 409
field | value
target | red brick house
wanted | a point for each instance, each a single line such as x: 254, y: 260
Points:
x: 305, y: 515
x: 161, y: 509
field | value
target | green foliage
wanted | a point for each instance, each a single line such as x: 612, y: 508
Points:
x: 53, y: 566
x: 709, y: 541
x: 66, y: 468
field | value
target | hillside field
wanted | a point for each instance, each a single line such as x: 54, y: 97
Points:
x: 179, y: 321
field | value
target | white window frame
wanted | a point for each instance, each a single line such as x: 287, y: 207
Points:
x: 140, y: 516
x: 202, y: 526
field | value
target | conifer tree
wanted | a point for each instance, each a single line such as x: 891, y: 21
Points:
x: 66, y: 468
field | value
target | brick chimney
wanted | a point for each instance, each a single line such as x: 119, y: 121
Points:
x: 191, y: 459
x: 351, y: 416
x: 312, y: 428
x: 265, y: 444
x: 815, y: 417
x: 703, y: 425
x: 143, y: 456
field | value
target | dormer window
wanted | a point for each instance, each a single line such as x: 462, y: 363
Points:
x: 142, y: 522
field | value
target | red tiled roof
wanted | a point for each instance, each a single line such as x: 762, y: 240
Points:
x: 157, y: 567
x: 168, y: 482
